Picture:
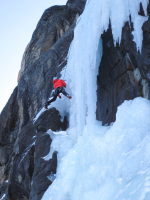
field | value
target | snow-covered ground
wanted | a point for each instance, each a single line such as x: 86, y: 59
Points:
x: 106, y: 162
x: 94, y: 161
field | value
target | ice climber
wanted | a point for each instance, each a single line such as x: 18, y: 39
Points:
x: 59, y: 87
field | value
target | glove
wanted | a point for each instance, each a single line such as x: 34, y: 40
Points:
x: 59, y: 96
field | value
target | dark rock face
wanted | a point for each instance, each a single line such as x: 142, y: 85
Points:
x: 23, y: 171
x: 124, y: 74
x: 77, y: 5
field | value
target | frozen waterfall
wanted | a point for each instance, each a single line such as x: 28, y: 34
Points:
x: 95, y: 161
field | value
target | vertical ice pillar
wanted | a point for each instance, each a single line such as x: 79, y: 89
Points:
x: 83, y: 63
x: 83, y: 56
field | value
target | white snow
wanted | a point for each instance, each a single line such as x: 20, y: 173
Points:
x: 94, y: 161
x: 3, y: 197
x: 38, y: 114
x: 61, y: 143
x: 27, y: 150
x: 106, y: 162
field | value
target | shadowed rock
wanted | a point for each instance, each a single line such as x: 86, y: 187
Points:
x: 23, y: 172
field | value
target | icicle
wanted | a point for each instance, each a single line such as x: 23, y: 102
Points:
x: 97, y: 162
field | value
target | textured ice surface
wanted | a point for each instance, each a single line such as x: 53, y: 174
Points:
x: 94, y: 161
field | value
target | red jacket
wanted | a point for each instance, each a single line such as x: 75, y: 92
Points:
x: 59, y: 83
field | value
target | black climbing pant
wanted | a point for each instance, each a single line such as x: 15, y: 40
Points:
x: 55, y: 94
